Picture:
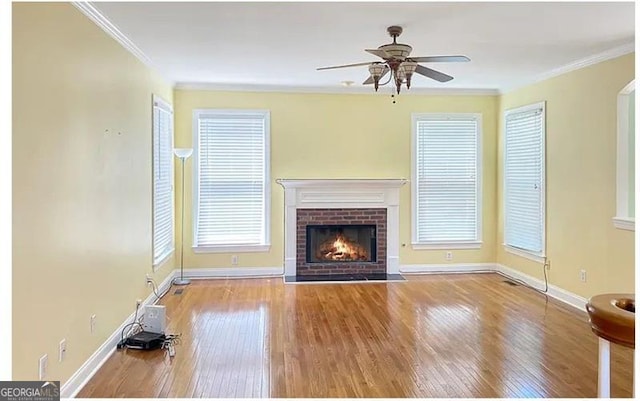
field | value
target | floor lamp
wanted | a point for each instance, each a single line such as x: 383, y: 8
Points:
x: 182, y: 154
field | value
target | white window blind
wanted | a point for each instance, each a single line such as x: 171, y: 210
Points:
x: 163, y: 243
x: 524, y: 185
x: 232, y: 177
x: 446, y: 184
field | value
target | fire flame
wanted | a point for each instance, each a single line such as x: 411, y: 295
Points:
x: 341, y: 246
x: 343, y: 249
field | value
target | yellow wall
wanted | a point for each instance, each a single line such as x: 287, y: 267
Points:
x: 81, y: 196
x: 82, y: 180
x: 581, y: 180
x: 340, y: 136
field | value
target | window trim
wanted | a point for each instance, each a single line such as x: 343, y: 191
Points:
x: 477, y: 243
x: 157, y: 262
x: 447, y: 245
x: 622, y: 220
x: 536, y: 256
x: 228, y: 248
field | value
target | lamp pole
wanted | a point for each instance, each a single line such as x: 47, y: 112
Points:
x: 183, y: 154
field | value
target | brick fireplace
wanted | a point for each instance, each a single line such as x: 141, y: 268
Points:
x: 337, y: 222
x: 355, y: 224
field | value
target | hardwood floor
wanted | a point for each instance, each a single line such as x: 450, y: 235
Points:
x: 468, y: 335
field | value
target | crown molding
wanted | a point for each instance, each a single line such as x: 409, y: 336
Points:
x: 575, y: 65
x: 103, y: 22
x: 354, y: 90
x: 86, y: 8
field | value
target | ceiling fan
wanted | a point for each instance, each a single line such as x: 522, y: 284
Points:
x: 396, y: 59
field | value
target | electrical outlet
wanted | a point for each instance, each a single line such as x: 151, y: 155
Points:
x: 62, y: 351
x: 234, y: 260
x: 92, y: 322
x: 42, y: 367
x: 138, y: 303
x: 583, y: 276
x: 148, y: 280
x: 448, y: 255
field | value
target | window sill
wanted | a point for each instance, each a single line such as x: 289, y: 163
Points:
x: 540, y: 258
x: 625, y: 223
x: 165, y: 256
x: 447, y: 245
x: 231, y: 248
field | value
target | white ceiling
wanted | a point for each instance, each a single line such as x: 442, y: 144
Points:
x: 275, y: 45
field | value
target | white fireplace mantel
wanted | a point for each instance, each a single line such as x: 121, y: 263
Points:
x: 342, y: 193
x: 381, y: 183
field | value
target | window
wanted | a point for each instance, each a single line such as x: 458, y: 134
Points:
x: 524, y: 181
x: 625, y: 171
x: 232, y: 180
x: 446, y: 190
x: 162, y: 180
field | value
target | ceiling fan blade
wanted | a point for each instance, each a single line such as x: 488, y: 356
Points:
x: 343, y: 66
x: 433, y: 74
x: 378, y: 52
x: 369, y: 81
x: 440, y: 59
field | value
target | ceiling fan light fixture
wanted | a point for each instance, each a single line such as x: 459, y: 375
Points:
x: 376, y: 70
x: 400, y: 77
x: 408, y: 68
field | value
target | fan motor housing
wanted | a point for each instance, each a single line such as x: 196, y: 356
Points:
x: 397, y: 50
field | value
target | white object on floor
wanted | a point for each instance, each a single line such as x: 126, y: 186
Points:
x: 155, y: 319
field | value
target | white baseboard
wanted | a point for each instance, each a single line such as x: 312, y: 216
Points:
x: 448, y: 268
x: 231, y: 272
x: 556, y: 292
x: 80, y: 378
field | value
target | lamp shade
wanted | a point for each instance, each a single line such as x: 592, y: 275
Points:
x: 409, y: 67
x: 376, y: 70
x: 183, y: 153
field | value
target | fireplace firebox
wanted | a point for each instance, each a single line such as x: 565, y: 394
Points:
x: 338, y: 243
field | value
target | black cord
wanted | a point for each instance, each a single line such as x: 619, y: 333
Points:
x: 125, y: 328
x: 135, y: 322
x: 173, y: 338
x: 169, y: 343
x: 155, y: 289
x: 546, y: 282
x: 544, y: 270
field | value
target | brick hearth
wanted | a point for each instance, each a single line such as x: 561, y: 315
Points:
x: 377, y: 216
